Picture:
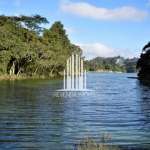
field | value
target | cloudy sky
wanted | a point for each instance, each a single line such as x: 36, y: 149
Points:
x: 102, y: 28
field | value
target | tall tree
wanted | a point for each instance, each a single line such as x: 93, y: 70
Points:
x: 21, y: 48
x: 30, y: 22
x: 58, y: 38
x: 143, y: 64
x: 24, y: 52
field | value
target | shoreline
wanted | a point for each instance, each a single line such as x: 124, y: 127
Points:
x: 109, y: 72
x: 15, y: 77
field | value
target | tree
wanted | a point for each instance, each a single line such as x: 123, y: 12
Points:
x: 61, y: 46
x: 146, y: 47
x: 20, y: 47
x: 24, y: 52
x: 30, y: 22
x: 76, y: 50
x: 143, y: 64
x: 101, y: 63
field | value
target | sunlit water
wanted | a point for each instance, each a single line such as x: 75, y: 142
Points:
x: 31, y: 118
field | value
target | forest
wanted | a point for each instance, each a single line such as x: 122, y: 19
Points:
x: 110, y: 64
x: 27, y: 49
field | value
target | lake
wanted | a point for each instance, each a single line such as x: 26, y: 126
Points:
x: 31, y: 118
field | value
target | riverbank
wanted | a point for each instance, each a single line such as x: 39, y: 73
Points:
x: 8, y: 77
x: 15, y: 77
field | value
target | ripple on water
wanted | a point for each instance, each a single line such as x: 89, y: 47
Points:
x: 31, y: 118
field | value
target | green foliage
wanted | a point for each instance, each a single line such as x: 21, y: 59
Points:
x: 76, y: 49
x: 60, y: 43
x: 30, y: 22
x: 130, y: 65
x: 109, y: 64
x: 24, y: 52
x: 143, y: 64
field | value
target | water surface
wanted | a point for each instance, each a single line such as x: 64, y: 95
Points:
x: 31, y: 118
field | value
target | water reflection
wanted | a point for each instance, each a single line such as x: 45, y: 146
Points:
x: 30, y: 117
x: 144, y: 94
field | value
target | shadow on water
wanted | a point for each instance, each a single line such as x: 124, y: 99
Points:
x: 144, y: 94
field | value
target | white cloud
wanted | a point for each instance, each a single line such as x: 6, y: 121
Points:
x: 148, y: 4
x: 17, y: 15
x: 71, y: 31
x: 17, y: 2
x: 99, y: 50
x: 86, y: 10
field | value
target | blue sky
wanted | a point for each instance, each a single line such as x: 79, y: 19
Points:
x: 104, y: 28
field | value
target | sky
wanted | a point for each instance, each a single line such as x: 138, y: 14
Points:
x: 102, y: 28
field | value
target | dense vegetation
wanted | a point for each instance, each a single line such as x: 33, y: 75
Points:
x: 109, y: 64
x: 143, y: 64
x: 27, y: 49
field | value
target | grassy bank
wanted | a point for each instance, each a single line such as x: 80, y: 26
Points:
x: 15, y: 77
x: 8, y: 77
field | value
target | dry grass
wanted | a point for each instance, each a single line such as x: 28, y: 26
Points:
x: 103, y: 142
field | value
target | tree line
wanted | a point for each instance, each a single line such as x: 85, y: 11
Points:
x: 28, y: 49
x: 109, y: 64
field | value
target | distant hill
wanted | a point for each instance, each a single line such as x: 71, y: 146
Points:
x: 113, y: 64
